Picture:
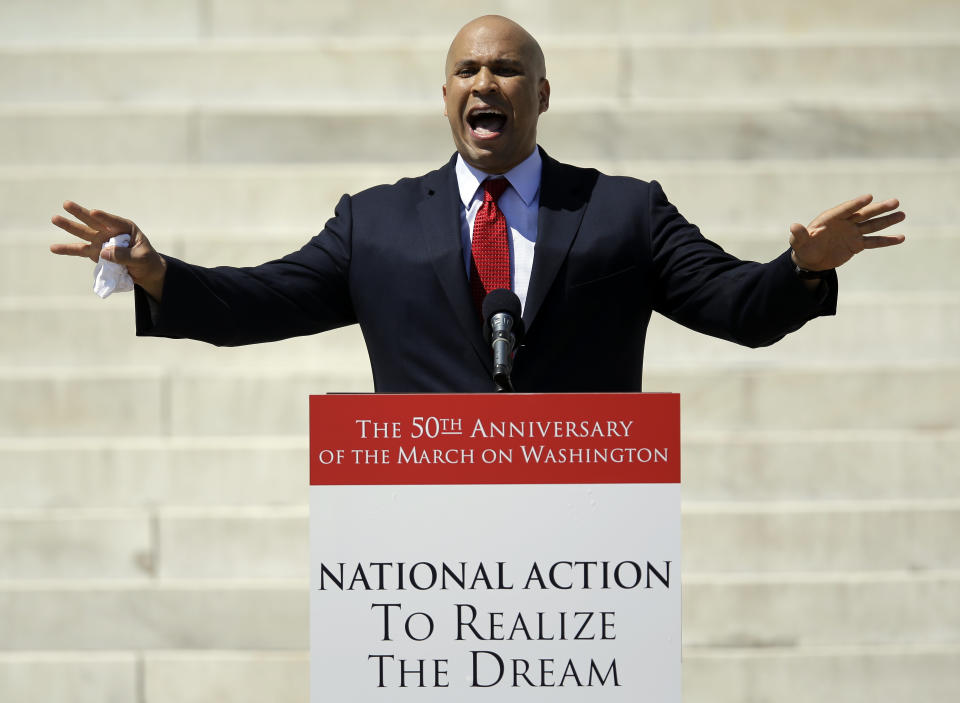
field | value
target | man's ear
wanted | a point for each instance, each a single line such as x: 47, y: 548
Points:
x: 443, y: 92
x: 544, y: 95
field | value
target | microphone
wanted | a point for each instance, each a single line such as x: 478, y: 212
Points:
x: 503, y: 327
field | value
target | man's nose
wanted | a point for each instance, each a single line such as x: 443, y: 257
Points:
x: 485, y: 82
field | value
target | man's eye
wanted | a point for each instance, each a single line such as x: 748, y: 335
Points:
x: 466, y: 72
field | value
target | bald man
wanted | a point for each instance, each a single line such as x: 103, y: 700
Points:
x: 590, y: 256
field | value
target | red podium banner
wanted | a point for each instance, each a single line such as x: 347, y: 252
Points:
x: 487, y: 547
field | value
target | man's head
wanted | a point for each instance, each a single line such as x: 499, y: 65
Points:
x: 495, y: 90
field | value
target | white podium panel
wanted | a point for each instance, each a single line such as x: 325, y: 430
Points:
x: 472, y: 591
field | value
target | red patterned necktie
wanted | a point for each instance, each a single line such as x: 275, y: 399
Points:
x: 490, y: 260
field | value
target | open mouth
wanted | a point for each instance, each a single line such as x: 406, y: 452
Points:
x: 486, y: 122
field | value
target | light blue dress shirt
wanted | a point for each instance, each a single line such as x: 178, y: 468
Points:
x: 520, y: 204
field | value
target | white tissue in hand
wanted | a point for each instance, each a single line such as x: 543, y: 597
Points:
x: 109, y: 277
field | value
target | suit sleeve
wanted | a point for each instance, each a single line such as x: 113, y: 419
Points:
x: 702, y: 287
x: 305, y: 292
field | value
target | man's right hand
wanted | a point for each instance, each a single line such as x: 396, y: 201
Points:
x: 145, y: 265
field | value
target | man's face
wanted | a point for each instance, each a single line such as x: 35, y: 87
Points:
x: 494, y: 94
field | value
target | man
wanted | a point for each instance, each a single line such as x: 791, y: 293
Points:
x: 589, y: 255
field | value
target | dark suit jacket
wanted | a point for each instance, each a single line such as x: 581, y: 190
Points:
x: 609, y: 250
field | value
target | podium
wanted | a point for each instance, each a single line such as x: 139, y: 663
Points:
x: 501, y: 547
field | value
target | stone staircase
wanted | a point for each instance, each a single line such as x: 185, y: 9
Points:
x: 153, y: 520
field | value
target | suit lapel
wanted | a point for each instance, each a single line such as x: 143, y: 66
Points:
x: 440, y: 226
x: 563, y: 198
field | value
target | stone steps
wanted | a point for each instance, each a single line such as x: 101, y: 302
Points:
x: 68, y: 401
x: 218, y: 72
x: 152, y: 519
x: 873, y: 328
x: 128, y: 471
x: 726, y: 129
x: 251, y: 543
x: 99, y: 20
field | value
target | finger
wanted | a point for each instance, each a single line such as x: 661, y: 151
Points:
x: 113, y: 223
x: 119, y: 255
x: 81, y: 213
x: 72, y: 249
x: 879, y: 223
x: 883, y: 240
x: 846, y: 209
x: 74, y: 228
x: 798, y: 235
x: 875, y: 209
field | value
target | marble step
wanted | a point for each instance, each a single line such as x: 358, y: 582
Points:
x: 244, y: 543
x: 125, y: 615
x: 874, y: 328
x: 74, y: 544
x: 125, y: 471
x: 835, y: 465
x: 142, y: 472
x: 71, y: 677
x: 337, y: 72
x: 294, y: 201
x: 868, y: 328
x: 67, y: 401
x: 738, y: 129
x: 790, y: 610
x: 864, y: 674
x: 239, y: 676
x: 24, y: 21
x: 820, y: 536
x: 263, y: 542
x: 108, y: 335
x: 731, y: 611
x: 901, y: 674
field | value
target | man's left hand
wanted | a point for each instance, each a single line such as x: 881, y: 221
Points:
x: 835, y: 236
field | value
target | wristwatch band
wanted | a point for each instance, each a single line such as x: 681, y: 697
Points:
x: 808, y: 275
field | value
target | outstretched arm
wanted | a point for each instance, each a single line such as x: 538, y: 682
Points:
x: 838, y: 234
x: 305, y: 292
x: 145, y: 265
x: 703, y: 287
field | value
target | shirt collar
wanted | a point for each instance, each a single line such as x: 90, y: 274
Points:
x: 524, y: 177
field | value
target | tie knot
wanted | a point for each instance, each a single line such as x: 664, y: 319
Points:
x: 493, y: 188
